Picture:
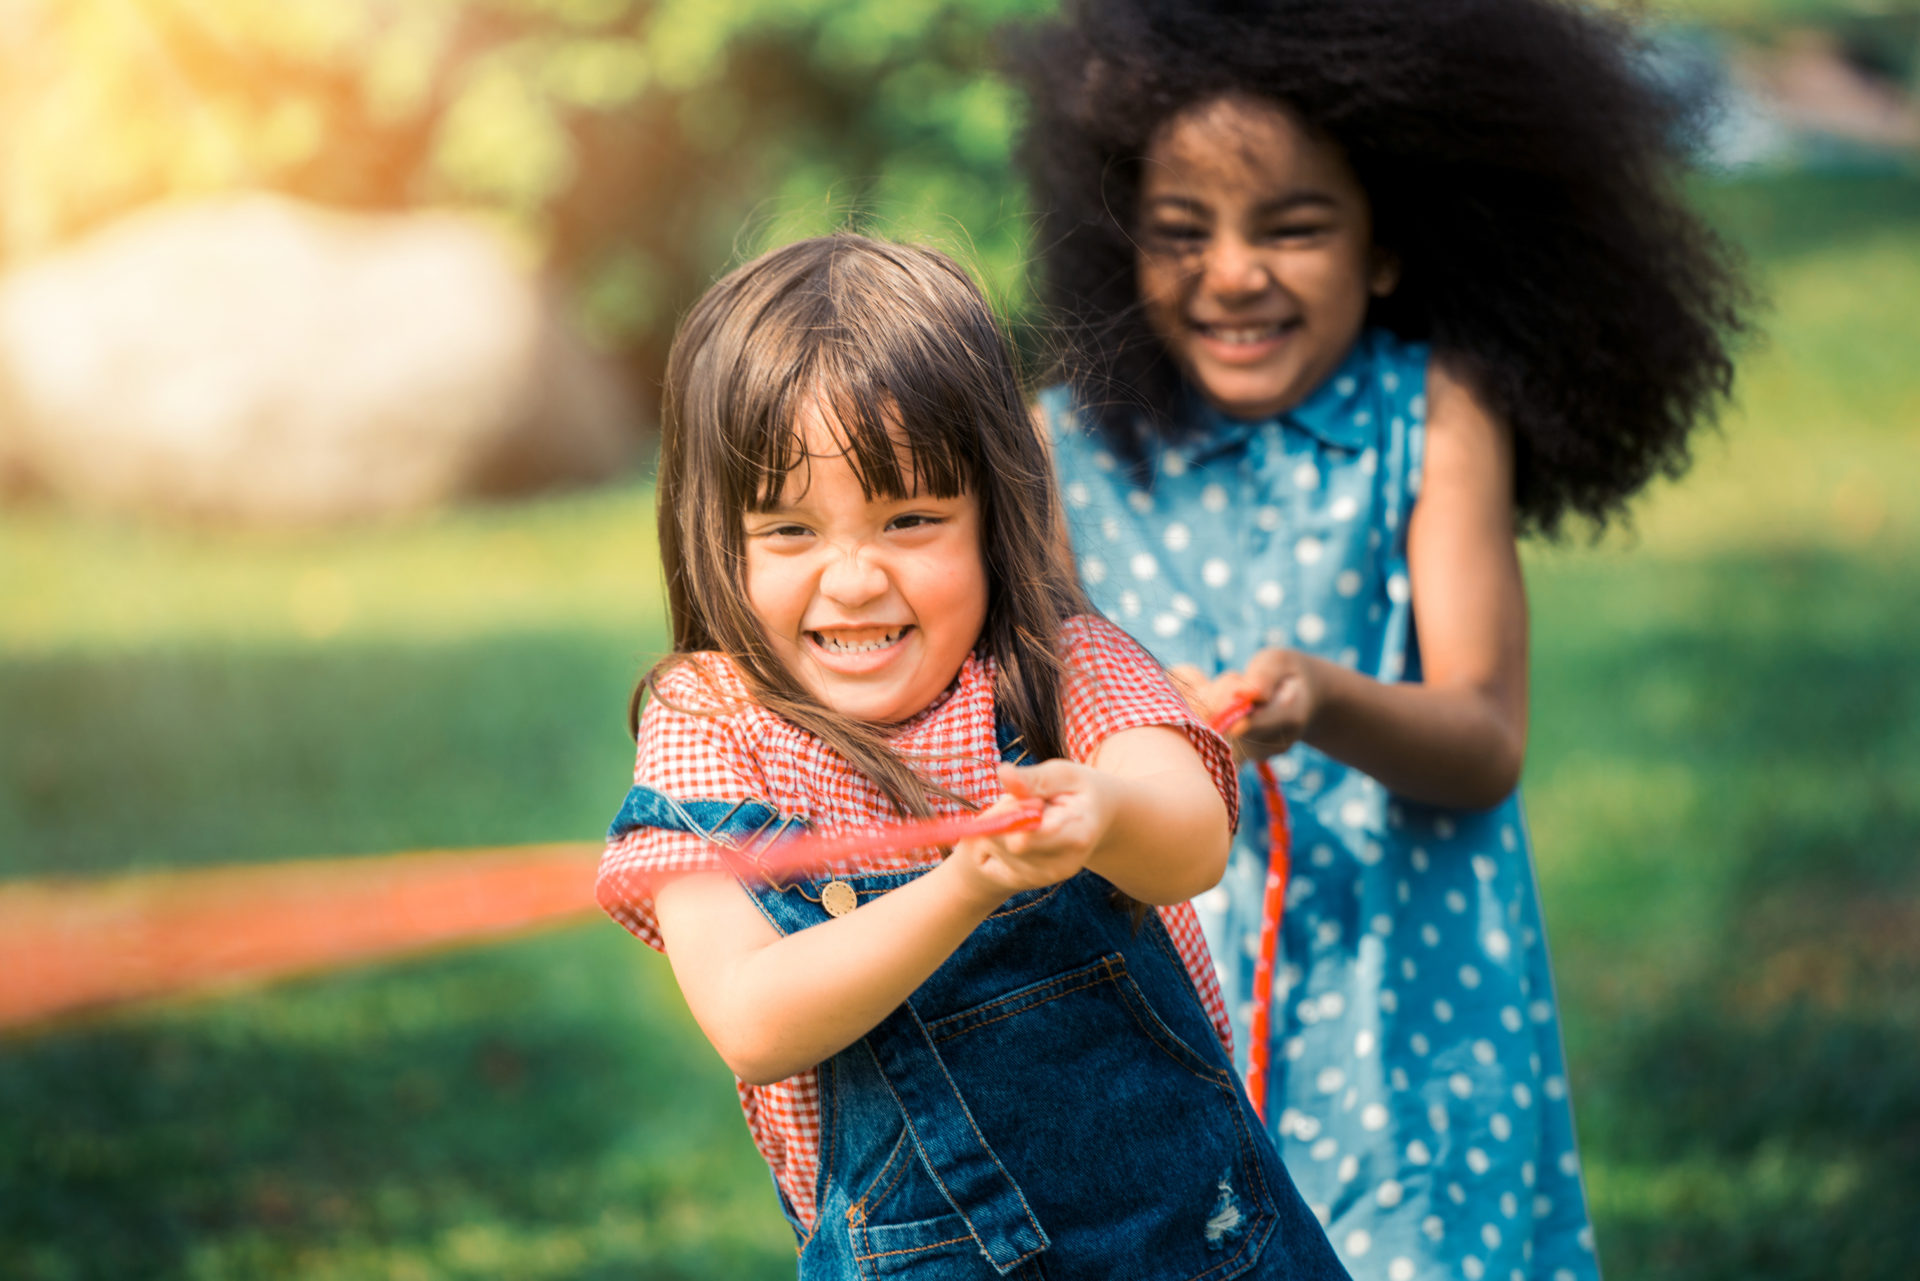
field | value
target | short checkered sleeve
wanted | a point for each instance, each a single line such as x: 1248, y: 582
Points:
x: 1113, y: 684
x: 693, y: 745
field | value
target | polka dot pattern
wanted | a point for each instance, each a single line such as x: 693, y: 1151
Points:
x: 1418, y: 1089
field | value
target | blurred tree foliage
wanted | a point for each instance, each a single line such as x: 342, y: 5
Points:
x: 634, y: 147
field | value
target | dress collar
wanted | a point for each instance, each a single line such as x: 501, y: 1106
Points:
x: 1333, y: 413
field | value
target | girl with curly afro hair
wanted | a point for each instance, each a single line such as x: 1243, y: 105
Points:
x: 1360, y: 291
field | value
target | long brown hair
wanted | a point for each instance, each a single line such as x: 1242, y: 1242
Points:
x: 903, y: 349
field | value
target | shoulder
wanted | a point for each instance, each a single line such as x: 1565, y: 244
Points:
x: 1090, y: 640
x: 700, y: 697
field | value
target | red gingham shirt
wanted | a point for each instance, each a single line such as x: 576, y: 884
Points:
x: 701, y: 739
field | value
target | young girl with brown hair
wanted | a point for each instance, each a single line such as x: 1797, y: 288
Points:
x: 983, y: 1064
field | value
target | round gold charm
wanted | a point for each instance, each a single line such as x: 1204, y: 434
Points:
x: 839, y: 898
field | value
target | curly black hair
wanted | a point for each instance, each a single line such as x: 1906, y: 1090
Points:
x: 1520, y: 164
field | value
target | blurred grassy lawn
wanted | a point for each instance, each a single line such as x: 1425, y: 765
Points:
x: 1726, y: 740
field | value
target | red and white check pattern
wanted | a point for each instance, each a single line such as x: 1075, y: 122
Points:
x: 702, y: 739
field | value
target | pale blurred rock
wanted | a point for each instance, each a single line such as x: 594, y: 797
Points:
x: 257, y: 360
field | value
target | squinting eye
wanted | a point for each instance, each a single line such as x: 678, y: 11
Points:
x: 914, y: 520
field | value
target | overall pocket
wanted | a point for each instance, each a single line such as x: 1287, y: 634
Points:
x: 1133, y: 1149
x: 901, y: 1223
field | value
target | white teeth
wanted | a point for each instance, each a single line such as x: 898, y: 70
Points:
x: 837, y: 646
x: 1249, y: 334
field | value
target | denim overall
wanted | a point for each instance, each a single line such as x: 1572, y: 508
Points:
x: 1052, y: 1103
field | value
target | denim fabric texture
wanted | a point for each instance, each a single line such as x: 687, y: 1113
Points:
x: 1053, y: 1103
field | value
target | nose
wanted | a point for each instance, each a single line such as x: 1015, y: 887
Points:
x: 1234, y: 268
x: 853, y: 576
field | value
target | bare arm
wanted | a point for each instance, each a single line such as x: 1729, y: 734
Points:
x: 1147, y: 818
x: 1458, y: 737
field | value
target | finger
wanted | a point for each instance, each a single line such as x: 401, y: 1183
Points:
x: 1042, y: 781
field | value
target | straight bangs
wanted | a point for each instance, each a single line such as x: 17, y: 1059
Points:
x: 899, y: 351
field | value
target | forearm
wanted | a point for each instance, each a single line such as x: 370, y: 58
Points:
x: 1170, y: 831
x: 1458, y: 746
x: 800, y: 998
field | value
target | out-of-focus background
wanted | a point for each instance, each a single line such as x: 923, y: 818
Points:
x: 329, y: 331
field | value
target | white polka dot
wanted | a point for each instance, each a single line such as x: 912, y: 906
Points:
x: 1510, y: 1019
x: 1408, y: 969
x: 1469, y: 977
x: 1418, y: 859
x: 1563, y: 1274
x: 1321, y: 1213
x: 1430, y: 934
x: 1144, y: 566
x: 1327, y: 935
x: 1312, y: 628
x: 1370, y: 852
x: 1483, y: 1050
x: 1306, y: 1128
x: 1349, y: 1166
x: 1491, y: 1235
x: 1344, y: 507
x: 1324, y: 1149
x: 1363, y: 1044
x: 1526, y: 1173
x: 1225, y: 646
x: 1499, y: 947
x: 1093, y: 569
x: 1390, y: 380
x: 1268, y: 518
x: 1308, y: 1011
x: 1173, y: 464
x: 1308, y: 551
x: 1398, y: 1079
x: 1509, y: 841
x: 1322, y: 856
x: 1389, y: 1000
x: 1400, y: 1270
x: 1306, y: 476
x: 1456, y: 901
x: 1130, y: 603
x: 1358, y: 1242
x: 1418, y: 1044
x: 1347, y: 582
x: 1373, y: 1117
x: 1345, y: 385
x: 1542, y: 1011
x: 1216, y: 572
x: 1457, y: 1194
x: 1472, y: 1269
x: 1312, y: 780
x: 1477, y: 1161
x: 1354, y: 813
x: 1500, y: 1127
x: 1461, y: 1084
x: 1369, y: 461
x: 1103, y: 460
x: 1332, y: 1004
x: 1176, y: 536
x: 1556, y: 1087
x: 1167, y: 624
x: 1389, y: 1193
x: 1438, y: 1119
x: 1585, y: 1238
x: 1484, y: 867
x: 1183, y: 605
x: 1433, y: 1227
x: 1330, y: 1080
x: 1382, y: 925
x: 1110, y: 529
x: 1269, y: 593
x: 1077, y: 495
x: 1295, y: 1048
x: 1522, y: 1096
x: 1443, y: 828
x: 1509, y: 1204
x: 1140, y: 501
x: 1214, y: 498
x: 1542, y: 1207
x: 1418, y: 1153
x: 1569, y: 1164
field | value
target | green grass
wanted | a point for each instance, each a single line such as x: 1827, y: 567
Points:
x: 1726, y: 733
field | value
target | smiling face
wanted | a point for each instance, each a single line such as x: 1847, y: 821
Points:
x: 872, y: 604
x: 1256, y: 255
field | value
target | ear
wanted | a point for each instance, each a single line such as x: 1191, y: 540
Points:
x: 1383, y: 271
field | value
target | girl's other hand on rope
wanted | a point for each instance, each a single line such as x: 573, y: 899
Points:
x: 1282, y: 689
x: 1080, y: 805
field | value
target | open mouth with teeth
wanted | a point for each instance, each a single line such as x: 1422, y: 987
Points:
x: 1244, y: 335
x: 856, y: 641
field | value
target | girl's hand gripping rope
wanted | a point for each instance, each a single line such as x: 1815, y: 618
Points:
x: 818, y: 851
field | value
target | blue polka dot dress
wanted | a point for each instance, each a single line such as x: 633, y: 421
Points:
x: 1418, y: 1091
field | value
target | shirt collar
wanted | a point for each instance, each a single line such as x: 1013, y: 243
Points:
x: 1331, y: 413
